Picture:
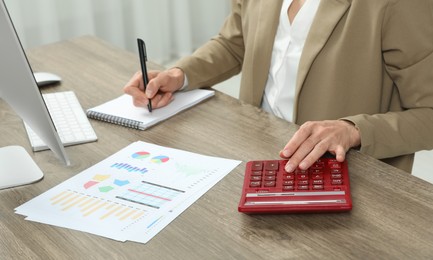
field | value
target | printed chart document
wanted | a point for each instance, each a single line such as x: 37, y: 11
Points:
x: 131, y: 195
x: 121, y: 110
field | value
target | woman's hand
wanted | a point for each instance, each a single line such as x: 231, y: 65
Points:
x: 313, y: 139
x: 159, y: 90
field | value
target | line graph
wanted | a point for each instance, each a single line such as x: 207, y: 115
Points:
x: 150, y: 194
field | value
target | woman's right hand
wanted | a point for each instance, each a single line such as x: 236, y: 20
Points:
x: 159, y: 90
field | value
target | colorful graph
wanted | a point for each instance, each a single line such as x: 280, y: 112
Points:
x: 129, y: 168
x: 160, y: 159
x: 140, y: 155
x: 150, y: 194
x: 96, y: 180
x: 89, y: 206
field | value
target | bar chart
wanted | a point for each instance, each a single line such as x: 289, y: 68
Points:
x: 99, y: 208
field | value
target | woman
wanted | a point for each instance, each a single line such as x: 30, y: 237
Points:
x: 352, y: 73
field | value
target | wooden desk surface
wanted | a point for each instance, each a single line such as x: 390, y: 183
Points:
x: 392, y: 214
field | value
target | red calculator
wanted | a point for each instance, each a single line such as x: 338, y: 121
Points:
x: 268, y: 188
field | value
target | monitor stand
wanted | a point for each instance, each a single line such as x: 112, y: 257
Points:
x: 17, y: 167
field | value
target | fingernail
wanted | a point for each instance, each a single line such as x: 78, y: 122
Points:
x: 285, y: 153
x: 303, y: 165
x: 289, y: 167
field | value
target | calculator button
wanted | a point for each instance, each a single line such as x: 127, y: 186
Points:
x: 288, y: 177
x: 271, y: 165
x: 317, y: 187
x: 256, y: 178
x: 335, y: 171
x: 288, y: 187
x: 337, y: 182
x: 269, y: 183
x: 335, y: 165
x: 316, y: 171
x: 302, y: 187
x: 256, y: 173
x: 270, y: 172
x: 299, y: 171
x: 302, y: 177
x: 317, y: 166
x: 256, y: 166
x: 255, y: 184
x: 317, y: 176
x: 288, y: 183
x: 336, y: 176
x: 317, y: 182
x: 303, y: 182
x: 270, y: 178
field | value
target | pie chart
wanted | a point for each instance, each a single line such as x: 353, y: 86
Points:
x: 160, y: 159
x: 140, y: 155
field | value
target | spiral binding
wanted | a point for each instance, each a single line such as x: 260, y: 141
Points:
x: 115, y: 120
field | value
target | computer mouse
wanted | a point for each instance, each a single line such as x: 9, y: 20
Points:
x: 46, y: 78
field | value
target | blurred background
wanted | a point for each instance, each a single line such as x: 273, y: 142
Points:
x: 170, y: 28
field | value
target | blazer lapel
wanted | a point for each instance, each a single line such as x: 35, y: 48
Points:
x: 327, y: 16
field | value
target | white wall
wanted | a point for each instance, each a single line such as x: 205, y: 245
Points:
x: 171, y: 28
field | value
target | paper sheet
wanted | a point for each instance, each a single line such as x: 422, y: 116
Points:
x: 131, y: 195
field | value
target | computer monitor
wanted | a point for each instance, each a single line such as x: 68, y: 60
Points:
x: 19, y: 89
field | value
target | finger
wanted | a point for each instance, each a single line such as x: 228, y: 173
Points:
x: 155, y: 84
x: 303, y: 133
x: 318, y: 151
x: 134, y: 82
x: 138, y: 97
x: 300, y: 154
x: 340, y: 154
x: 165, y: 99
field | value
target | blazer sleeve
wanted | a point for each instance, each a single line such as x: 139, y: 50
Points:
x: 407, y: 47
x: 221, y: 57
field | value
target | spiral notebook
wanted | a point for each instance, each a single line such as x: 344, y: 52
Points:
x: 121, y: 110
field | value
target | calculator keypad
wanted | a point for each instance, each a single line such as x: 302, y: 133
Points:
x: 324, y: 174
x: 268, y: 188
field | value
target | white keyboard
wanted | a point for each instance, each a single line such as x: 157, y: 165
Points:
x: 71, y: 122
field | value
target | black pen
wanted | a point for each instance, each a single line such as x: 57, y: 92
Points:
x: 143, y: 58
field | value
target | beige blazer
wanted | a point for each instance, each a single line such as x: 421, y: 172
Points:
x: 367, y: 61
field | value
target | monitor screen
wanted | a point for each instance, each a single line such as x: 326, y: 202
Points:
x: 19, y: 89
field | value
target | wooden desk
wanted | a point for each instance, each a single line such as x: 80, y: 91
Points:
x: 392, y: 214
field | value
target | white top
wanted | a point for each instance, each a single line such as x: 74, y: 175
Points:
x: 289, y: 42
